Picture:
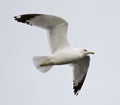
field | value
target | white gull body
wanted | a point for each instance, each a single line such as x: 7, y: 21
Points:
x: 61, y: 50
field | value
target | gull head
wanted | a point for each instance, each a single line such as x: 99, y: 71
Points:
x: 85, y: 52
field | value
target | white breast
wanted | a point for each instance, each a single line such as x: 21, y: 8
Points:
x: 65, y: 56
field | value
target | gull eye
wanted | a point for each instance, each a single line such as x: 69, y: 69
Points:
x: 84, y: 50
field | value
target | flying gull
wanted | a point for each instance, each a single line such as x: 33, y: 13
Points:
x: 61, y: 50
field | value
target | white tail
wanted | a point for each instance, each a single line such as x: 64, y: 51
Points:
x: 38, y: 60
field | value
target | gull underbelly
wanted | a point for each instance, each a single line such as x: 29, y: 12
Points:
x: 64, y: 57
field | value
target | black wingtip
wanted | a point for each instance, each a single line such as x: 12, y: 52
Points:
x: 25, y: 18
x: 20, y: 19
x: 15, y: 17
x: 78, y: 86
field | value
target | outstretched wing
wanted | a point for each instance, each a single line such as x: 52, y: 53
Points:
x: 79, y: 73
x: 56, y: 26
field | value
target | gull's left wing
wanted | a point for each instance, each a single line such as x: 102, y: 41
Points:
x: 56, y: 26
x: 79, y: 73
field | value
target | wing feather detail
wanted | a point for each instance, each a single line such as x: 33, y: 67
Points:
x: 79, y: 73
x: 56, y: 26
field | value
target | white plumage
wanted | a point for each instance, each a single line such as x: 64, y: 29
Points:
x: 62, y: 51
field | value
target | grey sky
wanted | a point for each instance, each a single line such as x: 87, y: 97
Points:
x: 93, y: 24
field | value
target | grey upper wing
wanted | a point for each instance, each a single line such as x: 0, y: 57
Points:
x: 79, y: 73
x: 56, y: 26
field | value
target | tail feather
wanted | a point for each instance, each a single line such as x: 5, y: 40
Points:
x: 38, y: 60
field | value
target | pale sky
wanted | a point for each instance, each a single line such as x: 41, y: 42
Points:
x: 93, y: 24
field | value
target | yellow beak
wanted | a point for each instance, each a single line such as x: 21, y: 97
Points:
x: 90, y: 52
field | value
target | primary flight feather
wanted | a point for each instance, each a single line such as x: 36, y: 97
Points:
x: 62, y: 51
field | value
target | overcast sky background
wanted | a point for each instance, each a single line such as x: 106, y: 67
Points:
x: 93, y: 24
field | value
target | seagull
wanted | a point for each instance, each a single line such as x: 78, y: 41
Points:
x: 61, y: 50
